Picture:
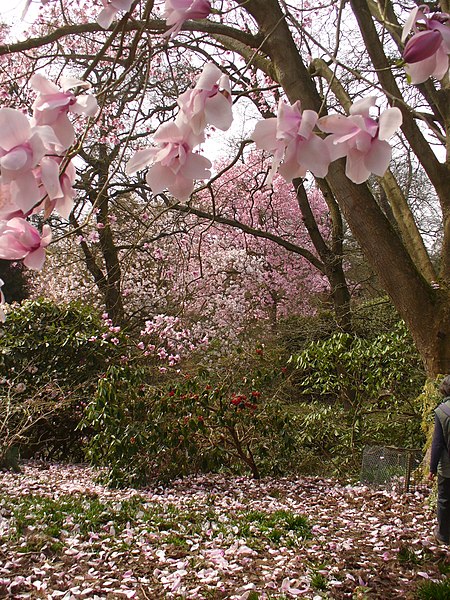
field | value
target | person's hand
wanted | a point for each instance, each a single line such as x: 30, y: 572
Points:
x: 431, y: 476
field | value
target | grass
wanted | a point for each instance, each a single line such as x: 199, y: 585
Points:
x: 39, y: 521
x: 434, y: 590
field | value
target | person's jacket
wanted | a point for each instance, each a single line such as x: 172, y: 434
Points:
x: 440, y: 457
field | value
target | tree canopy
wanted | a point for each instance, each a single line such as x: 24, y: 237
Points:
x: 104, y: 102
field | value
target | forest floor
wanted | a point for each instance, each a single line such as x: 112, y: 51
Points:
x: 63, y: 535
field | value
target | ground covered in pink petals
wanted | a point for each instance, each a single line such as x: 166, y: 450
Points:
x: 62, y: 535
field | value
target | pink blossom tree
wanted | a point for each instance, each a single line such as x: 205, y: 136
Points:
x: 324, y: 64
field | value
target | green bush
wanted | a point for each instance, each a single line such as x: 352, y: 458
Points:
x: 434, y: 590
x: 50, y: 359
x: 353, y: 391
x: 205, y: 422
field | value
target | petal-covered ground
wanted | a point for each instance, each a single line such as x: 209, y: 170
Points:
x: 62, y: 535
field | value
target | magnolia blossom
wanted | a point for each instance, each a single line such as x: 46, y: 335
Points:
x: 290, y: 138
x: 20, y: 240
x: 208, y: 102
x: 8, y: 209
x: 53, y: 103
x: 21, y: 149
x: 58, y: 186
x: 179, y: 11
x: 362, y: 139
x: 426, y: 52
x: 173, y: 164
x: 110, y: 9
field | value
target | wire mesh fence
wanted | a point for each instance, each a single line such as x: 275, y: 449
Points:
x: 392, y: 468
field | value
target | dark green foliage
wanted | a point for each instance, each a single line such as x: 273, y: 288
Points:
x: 434, y: 590
x: 50, y: 359
x: 369, y: 320
x: 226, y: 419
x: 355, y: 391
x: 16, y: 286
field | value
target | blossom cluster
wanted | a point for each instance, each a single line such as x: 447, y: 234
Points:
x: 359, y: 137
x: 35, y: 173
x: 176, y: 12
x: 164, y: 337
x: 173, y: 163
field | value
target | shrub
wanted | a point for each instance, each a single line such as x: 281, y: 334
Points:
x: 357, y: 391
x: 198, y: 423
x: 50, y: 359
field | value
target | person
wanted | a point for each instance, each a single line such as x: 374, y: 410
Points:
x: 440, y: 463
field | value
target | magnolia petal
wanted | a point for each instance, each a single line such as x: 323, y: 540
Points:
x: 355, y: 167
x: 444, y: 30
x: 196, y: 166
x: 208, y: 77
x: 159, y: 178
x: 377, y: 160
x: 218, y: 112
x: 124, y: 5
x: 106, y: 16
x: 15, y: 159
x: 389, y: 122
x: 441, y: 67
x: 409, y: 23
x: 169, y: 132
x: 420, y: 71
x: 15, y: 128
x: 362, y: 107
x: 41, y: 84
x: 50, y: 178
x: 41, y: 139
x: 25, y: 191
x: 264, y: 134
x: 140, y: 160
x: 338, y: 124
x: 64, y: 205
x: 421, y: 46
x: 46, y: 236
x: 308, y: 122
x: 314, y: 156
x: 86, y: 104
x: 335, y: 150
x: 290, y: 169
x: 181, y: 187
x: 35, y: 260
x: 64, y: 131
x: 363, y: 141
x: 11, y: 248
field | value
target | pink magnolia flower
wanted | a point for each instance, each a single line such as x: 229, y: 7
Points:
x: 8, y: 209
x: 362, y: 139
x: 53, y: 103
x: 21, y: 149
x: 173, y: 164
x: 209, y: 102
x: 110, y: 9
x: 58, y: 186
x: 179, y: 11
x: 20, y: 240
x: 291, y: 139
x: 426, y: 52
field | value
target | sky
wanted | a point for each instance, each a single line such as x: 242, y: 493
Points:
x: 11, y: 12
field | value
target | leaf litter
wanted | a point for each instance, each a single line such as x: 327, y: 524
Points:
x: 65, y: 536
